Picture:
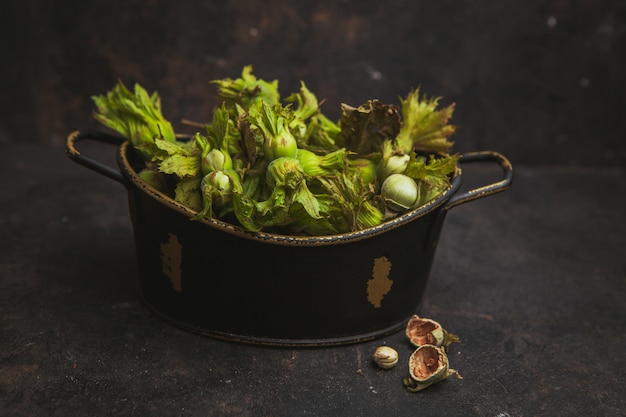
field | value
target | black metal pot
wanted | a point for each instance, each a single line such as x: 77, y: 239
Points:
x: 216, y: 279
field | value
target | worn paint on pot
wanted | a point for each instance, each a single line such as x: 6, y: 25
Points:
x: 219, y: 280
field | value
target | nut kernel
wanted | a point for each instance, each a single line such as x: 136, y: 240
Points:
x: 385, y: 357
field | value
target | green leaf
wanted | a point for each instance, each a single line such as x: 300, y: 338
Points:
x: 320, y: 135
x: 303, y: 196
x: 421, y: 167
x: 352, y: 200
x: 134, y: 115
x: 251, y: 138
x: 172, y: 148
x: 187, y: 192
x: 424, y: 127
x: 181, y: 165
x: 306, y: 103
x: 331, y: 219
x: 151, y: 175
x: 432, y: 175
x: 274, y: 211
x: 246, y: 91
x: 218, y: 131
x: 245, y: 212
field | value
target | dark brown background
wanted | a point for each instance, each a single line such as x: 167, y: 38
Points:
x: 542, y: 82
x: 532, y: 280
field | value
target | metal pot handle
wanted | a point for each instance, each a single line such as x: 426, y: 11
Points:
x: 487, y: 190
x: 76, y: 156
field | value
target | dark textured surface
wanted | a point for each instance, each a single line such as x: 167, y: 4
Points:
x: 542, y: 82
x: 532, y: 280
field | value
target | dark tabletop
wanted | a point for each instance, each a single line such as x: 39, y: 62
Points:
x: 532, y: 280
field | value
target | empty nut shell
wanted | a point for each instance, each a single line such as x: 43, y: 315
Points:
x: 422, y: 331
x: 428, y: 365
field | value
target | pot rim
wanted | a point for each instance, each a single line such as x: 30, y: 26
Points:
x: 282, y: 239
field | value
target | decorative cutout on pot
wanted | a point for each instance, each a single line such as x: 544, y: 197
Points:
x: 380, y: 284
x: 171, y: 257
